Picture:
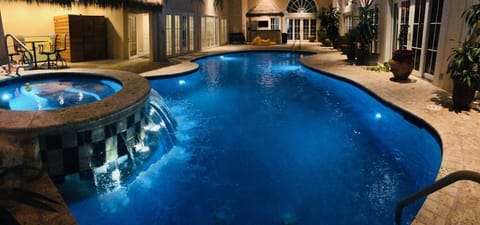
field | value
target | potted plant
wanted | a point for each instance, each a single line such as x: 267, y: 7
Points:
x: 464, y: 63
x: 367, y: 33
x: 401, y: 63
x: 349, y: 48
x: 464, y: 71
x: 330, y: 23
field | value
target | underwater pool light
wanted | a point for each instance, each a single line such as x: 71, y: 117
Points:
x: 6, y: 97
x: 181, y: 82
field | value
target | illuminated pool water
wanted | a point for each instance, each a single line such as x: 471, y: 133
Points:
x: 264, y: 140
x: 54, y: 92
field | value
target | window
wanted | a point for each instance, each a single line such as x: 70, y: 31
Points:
x: 168, y: 30
x: 348, y: 23
x: 306, y: 32
x: 191, y: 34
x: 209, y: 32
x: 223, y: 31
x: 262, y: 23
x: 433, y: 35
x: 177, y: 34
x: 301, y: 6
x: 313, y: 27
x: 274, y: 24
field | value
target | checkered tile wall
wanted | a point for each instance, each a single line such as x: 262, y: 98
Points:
x: 80, y: 151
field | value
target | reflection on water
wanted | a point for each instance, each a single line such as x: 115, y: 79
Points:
x: 54, y: 93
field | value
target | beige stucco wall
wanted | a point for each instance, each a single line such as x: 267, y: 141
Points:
x: 21, y: 18
x: 236, y: 11
x: 453, y: 30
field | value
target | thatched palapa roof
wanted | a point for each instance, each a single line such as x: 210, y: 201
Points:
x: 148, y: 5
x: 264, y: 8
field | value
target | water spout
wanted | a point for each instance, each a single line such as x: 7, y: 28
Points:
x: 157, y: 133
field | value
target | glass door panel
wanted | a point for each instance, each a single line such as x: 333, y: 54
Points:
x: 418, y: 23
x: 433, y: 35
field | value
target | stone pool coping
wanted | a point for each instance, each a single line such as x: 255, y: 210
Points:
x: 134, y: 89
x: 458, y: 131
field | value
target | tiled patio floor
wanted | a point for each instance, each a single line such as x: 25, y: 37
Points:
x: 459, y: 131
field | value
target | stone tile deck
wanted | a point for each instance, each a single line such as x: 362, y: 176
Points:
x: 459, y: 131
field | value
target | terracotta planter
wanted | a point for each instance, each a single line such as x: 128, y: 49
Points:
x: 462, y: 95
x: 401, y: 64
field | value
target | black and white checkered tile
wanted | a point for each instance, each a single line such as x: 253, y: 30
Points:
x: 81, y: 151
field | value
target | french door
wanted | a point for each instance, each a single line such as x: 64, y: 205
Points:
x: 300, y: 29
x: 425, y: 27
x: 138, y: 35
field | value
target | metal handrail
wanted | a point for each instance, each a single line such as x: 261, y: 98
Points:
x: 299, y: 45
x: 293, y: 45
x: 439, y: 184
x: 24, y: 49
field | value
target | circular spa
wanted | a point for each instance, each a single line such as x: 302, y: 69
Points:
x: 77, y: 122
x: 261, y: 139
x: 43, y: 92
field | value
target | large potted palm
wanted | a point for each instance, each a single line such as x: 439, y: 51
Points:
x: 330, y: 23
x: 367, y: 33
x: 464, y: 63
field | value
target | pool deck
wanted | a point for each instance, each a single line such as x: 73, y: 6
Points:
x: 458, y: 203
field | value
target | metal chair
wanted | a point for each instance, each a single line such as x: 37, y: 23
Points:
x: 60, y: 47
x: 50, y: 50
x: 15, y: 51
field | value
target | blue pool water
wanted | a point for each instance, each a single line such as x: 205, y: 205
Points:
x: 54, y: 92
x: 262, y: 140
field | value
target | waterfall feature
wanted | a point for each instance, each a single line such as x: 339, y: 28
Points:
x: 156, y: 133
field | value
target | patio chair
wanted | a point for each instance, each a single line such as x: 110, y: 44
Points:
x: 50, y: 50
x: 15, y: 51
x: 60, y: 47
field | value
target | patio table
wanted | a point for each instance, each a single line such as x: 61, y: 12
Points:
x: 34, y: 41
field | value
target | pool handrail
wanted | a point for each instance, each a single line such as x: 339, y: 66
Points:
x: 24, y: 48
x: 466, y: 175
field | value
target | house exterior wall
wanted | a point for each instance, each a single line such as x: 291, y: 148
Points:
x: 21, y: 18
x: 451, y: 32
x: 196, y: 8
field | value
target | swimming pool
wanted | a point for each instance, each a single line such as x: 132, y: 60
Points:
x: 264, y: 140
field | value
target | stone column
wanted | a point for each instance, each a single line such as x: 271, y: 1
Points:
x: 157, y: 31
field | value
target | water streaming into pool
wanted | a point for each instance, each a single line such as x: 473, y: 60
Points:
x: 263, y: 140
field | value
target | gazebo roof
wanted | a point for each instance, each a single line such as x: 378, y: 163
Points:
x: 264, y: 8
